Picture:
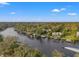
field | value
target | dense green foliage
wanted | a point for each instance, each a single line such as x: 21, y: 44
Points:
x: 63, y: 31
x: 1, y: 38
x: 10, y: 47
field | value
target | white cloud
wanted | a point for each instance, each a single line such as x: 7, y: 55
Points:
x: 55, y: 10
x: 4, y: 3
x: 72, y: 14
x: 59, y: 10
x: 12, y: 13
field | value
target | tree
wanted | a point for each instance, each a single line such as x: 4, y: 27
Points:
x: 10, y: 47
x: 1, y: 38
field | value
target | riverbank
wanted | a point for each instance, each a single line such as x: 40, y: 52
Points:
x: 59, y: 31
x: 44, y: 45
x: 40, y: 37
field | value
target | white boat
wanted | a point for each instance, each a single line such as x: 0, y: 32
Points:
x: 72, y: 49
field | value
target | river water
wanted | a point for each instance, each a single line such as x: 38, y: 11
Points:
x: 44, y: 45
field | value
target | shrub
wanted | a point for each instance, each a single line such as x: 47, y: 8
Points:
x: 57, y: 53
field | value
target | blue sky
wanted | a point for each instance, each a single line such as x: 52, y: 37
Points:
x: 39, y: 11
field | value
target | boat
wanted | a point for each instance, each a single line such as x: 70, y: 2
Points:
x: 72, y: 49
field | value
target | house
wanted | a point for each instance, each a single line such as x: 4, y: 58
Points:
x: 57, y: 33
x: 77, y: 34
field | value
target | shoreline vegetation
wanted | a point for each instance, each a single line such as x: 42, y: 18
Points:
x: 64, y: 32
x: 68, y: 32
x: 9, y: 47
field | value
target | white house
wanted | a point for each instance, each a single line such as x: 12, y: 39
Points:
x: 56, y: 33
x: 77, y: 34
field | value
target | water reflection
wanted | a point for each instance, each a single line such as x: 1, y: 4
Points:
x: 44, y: 45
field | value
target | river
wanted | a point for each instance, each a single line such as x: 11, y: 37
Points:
x: 44, y: 45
